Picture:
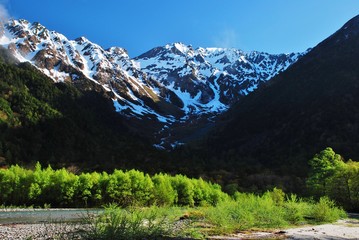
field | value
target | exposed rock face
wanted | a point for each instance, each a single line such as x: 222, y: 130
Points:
x: 167, y: 84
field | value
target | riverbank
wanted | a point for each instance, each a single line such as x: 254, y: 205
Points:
x: 42, y: 231
x: 341, y: 230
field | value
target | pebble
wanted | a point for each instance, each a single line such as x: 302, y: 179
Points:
x: 43, y: 231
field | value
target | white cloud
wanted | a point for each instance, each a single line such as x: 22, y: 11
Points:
x: 228, y: 38
x: 4, y: 14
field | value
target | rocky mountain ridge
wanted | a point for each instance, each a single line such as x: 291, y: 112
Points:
x: 169, y: 85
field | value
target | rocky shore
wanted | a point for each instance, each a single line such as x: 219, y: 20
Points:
x: 42, y: 231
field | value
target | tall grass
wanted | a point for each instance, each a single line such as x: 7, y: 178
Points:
x: 131, y: 223
x: 250, y: 211
x: 245, y: 211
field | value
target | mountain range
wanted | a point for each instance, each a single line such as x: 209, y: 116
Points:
x: 169, y: 87
x: 251, y: 119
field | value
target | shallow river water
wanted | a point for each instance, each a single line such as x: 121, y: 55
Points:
x: 12, y: 216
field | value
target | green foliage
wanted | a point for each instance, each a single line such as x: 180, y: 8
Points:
x: 248, y: 211
x: 15, y: 184
x: 325, y: 211
x: 185, y: 190
x: 61, y: 188
x: 331, y: 176
x: 164, y: 193
x: 296, y: 209
x: 116, y: 223
x: 323, y: 166
x: 277, y: 196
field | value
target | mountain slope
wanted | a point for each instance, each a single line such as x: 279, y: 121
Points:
x: 167, y: 87
x: 312, y: 105
x: 59, y: 124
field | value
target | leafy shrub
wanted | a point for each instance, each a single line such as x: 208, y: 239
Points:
x: 326, y: 211
x: 116, y: 223
x: 295, y: 209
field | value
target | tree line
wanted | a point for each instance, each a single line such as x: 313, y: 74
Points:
x: 61, y: 188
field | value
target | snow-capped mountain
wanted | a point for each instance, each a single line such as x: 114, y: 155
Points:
x: 211, y: 79
x: 67, y: 60
x: 167, y: 84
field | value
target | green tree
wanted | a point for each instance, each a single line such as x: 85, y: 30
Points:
x: 84, y: 188
x: 40, y: 188
x: 164, y: 194
x: 63, y: 186
x: 141, y: 188
x: 185, y: 190
x: 323, y: 167
x: 119, y: 188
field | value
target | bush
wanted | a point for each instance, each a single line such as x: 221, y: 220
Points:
x: 295, y: 209
x: 116, y: 223
x: 326, y: 211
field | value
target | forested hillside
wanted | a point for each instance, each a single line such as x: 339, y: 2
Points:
x: 312, y: 105
x: 59, y: 123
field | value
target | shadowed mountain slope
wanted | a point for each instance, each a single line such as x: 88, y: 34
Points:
x: 313, y: 104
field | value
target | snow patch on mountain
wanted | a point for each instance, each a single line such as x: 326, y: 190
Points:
x: 168, y: 84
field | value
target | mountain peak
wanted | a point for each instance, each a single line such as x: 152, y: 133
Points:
x: 179, y: 48
x: 117, y: 50
x: 82, y: 40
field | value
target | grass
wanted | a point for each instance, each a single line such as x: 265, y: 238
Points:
x: 131, y: 223
x: 244, y: 212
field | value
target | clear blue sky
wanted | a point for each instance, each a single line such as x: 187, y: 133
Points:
x: 273, y: 26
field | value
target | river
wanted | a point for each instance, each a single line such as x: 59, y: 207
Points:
x: 16, y: 216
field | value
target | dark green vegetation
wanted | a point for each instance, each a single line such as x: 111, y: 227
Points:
x: 61, y: 123
x: 60, y: 188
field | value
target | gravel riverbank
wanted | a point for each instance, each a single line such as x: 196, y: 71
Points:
x: 41, y: 231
